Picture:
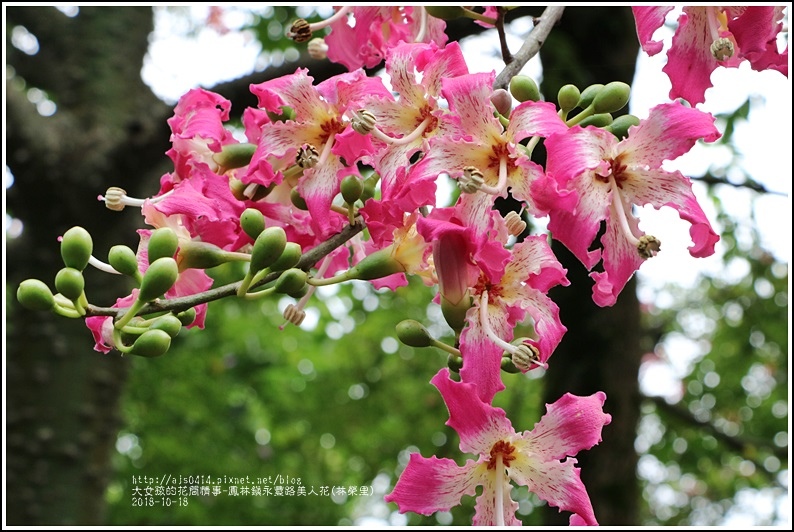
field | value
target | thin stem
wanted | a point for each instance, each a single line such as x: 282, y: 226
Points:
x: 103, y: 266
x: 617, y: 204
x: 179, y: 304
x: 412, y: 136
x: 551, y: 15
x: 420, y: 36
x: 500, y: 512
x: 502, y: 184
x: 486, y: 326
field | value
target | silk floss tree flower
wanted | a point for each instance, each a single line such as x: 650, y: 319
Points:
x: 541, y: 459
x: 711, y: 36
x: 591, y: 178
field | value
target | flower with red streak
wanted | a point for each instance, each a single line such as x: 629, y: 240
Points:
x: 711, y: 36
x: 591, y: 178
x: 541, y: 459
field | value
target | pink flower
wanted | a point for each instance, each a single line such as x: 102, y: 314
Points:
x: 317, y: 128
x: 530, y: 458
x: 712, y: 36
x: 376, y: 29
x: 476, y: 145
x: 592, y: 178
x: 403, y: 126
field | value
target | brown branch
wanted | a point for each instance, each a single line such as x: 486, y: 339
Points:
x: 551, y: 15
x: 179, y: 304
x: 711, y: 179
x: 507, y: 56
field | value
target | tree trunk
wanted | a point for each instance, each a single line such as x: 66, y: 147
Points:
x: 601, y: 350
x: 109, y: 129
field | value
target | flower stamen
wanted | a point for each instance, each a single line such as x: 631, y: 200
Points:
x: 364, y: 122
x: 523, y: 356
x: 502, y: 184
x: 647, y: 245
x: 116, y: 199
x: 301, y: 30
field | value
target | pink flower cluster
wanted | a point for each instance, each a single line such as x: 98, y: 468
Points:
x: 435, y: 122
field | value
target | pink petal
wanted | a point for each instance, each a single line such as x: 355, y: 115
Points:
x: 532, y: 119
x: 557, y: 483
x: 478, y: 424
x: 689, y: 60
x: 429, y: 485
x: 571, y: 424
x: 485, y: 510
x: 670, y: 131
x: 648, y: 20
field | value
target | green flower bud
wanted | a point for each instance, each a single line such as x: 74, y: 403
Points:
x: 239, y: 189
x: 268, y: 247
x: 152, y: 343
x: 455, y: 313
x: 377, y: 265
x: 289, y: 258
x: 76, y: 248
x: 620, y: 126
x: 297, y: 200
x: 158, y: 279
x: 235, y: 155
x: 454, y: 363
x: 35, y: 295
x: 613, y: 97
x: 70, y: 283
x: 508, y: 366
x: 162, y: 243
x: 123, y: 260
x: 291, y: 281
x: 186, y: 317
x: 370, y: 185
x: 524, y: 89
x: 200, y: 255
x: 599, y: 120
x: 414, y: 334
x: 589, y: 94
x: 568, y: 97
x: 287, y: 113
x: 253, y: 222
x: 351, y: 188
x: 168, y: 323
x: 300, y: 293
x: 445, y: 12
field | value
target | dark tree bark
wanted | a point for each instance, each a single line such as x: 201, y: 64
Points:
x: 601, y: 350
x: 109, y: 129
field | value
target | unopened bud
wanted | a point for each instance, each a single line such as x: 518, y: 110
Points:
x: 508, y: 366
x: 454, y: 363
x: 163, y: 242
x: 268, y: 247
x: 35, y: 295
x: 524, y: 89
x: 291, y: 281
x: 289, y: 258
x: 351, y: 188
x: 414, y: 334
x: 376, y: 265
x: 235, y: 155
x: 152, y: 343
x: 186, y: 317
x: 76, y: 248
x: 502, y: 102
x: 620, y: 126
x: 124, y: 261
x: 200, y: 255
x: 297, y: 200
x: 370, y: 185
x: 597, y: 120
x: 568, y: 97
x: 70, y: 283
x: 168, y: 323
x: 253, y: 222
x: 589, y: 94
x: 158, y: 279
x: 613, y: 97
